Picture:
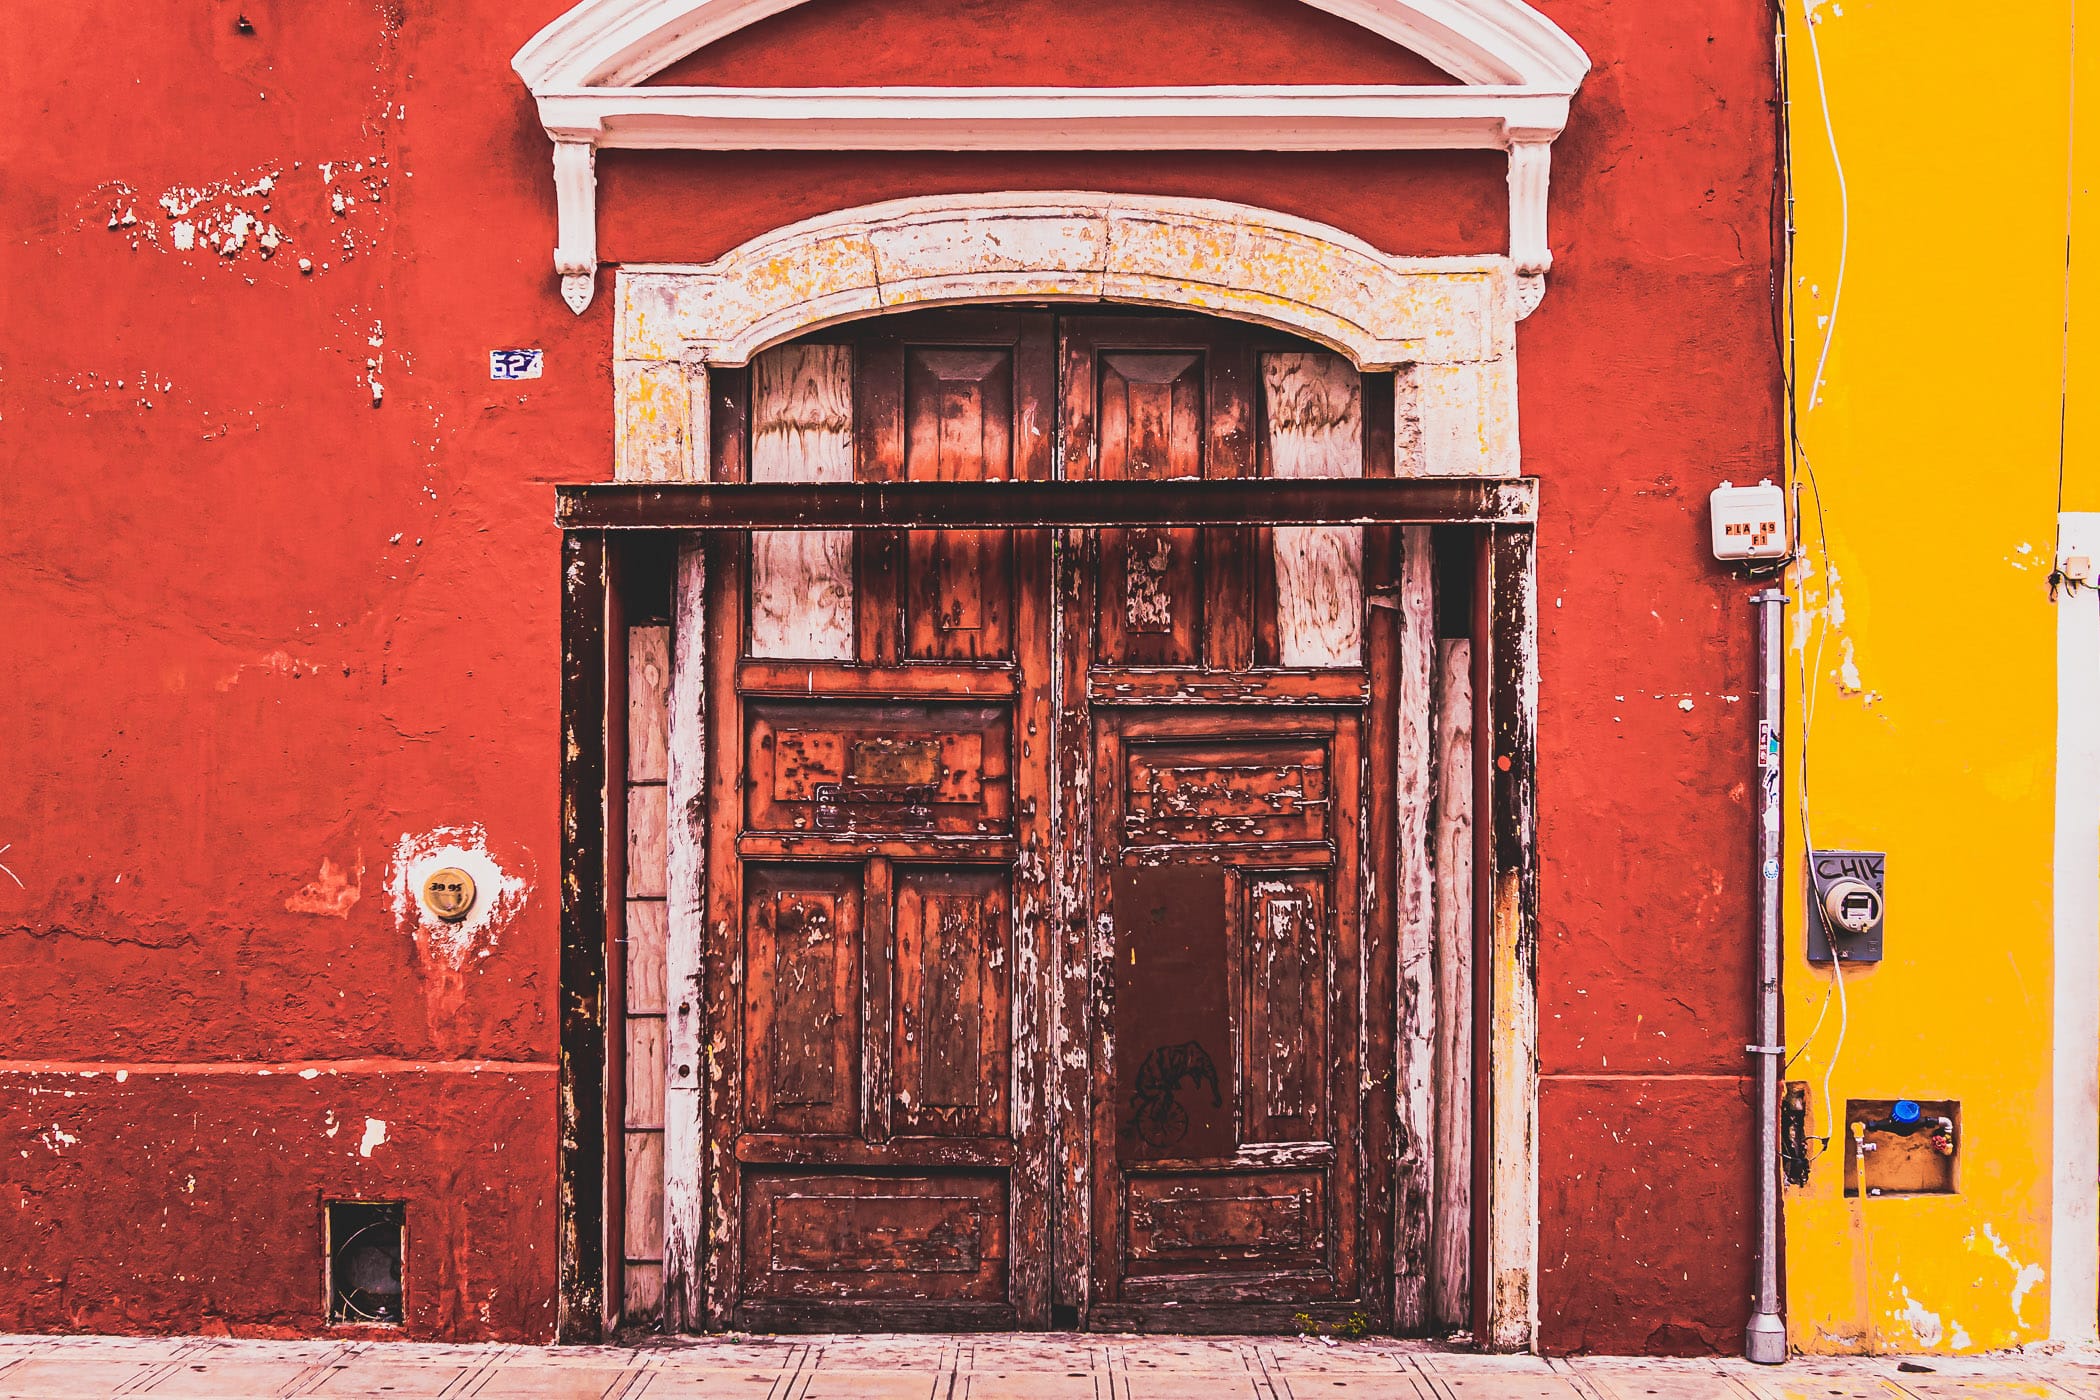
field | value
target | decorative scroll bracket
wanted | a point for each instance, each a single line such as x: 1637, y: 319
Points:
x: 576, y: 219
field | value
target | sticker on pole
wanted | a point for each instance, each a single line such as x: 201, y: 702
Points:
x: 515, y: 364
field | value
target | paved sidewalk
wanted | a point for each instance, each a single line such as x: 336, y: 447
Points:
x: 1000, y: 1367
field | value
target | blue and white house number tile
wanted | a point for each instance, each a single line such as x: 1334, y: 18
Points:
x: 515, y: 364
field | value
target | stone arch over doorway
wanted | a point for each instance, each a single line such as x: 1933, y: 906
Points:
x: 1445, y: 327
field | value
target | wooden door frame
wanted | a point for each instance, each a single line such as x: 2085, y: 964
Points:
x: 1506, y: 862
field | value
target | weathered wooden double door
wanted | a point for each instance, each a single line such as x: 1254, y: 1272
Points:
x: 1049, y: 981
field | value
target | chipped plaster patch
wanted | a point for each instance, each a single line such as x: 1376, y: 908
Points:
x: 498, y: 895
x: 332, y: 893
x: 57, y: 1138
x: 375, y: 1134
x: 276, y: 663
x: 1924, y: 1324
x: 2026, y: 1277
x: 234, y: 217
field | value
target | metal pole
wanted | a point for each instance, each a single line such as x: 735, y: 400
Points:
x: 1764, y: 1340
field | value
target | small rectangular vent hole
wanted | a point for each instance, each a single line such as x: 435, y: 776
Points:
x: 365, y: 1249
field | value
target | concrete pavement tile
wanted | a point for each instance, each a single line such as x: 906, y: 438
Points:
x: 1185, y: 1354
x: 711, y: 1354
x: 235, y: 1375
x: 526, y: 1381
x: 885, y: 1353
x: 1830, y: 1385
x: 675, y: 1383
x: 1031, y: 1385
x: 825, y: 1383
x: 1961, y: 1387
x: 1061, y: 1354
x: 1352, y: 1385
x: 1508, y: 1385
x: 80, y: 1374
x: 1662, y: 1381
x: 1190, y: 1385
x: 1480, y: 1363
x: 378, y: 1373
x: 1307, y: 1357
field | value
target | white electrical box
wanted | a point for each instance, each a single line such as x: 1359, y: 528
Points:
x: 1749, y: 521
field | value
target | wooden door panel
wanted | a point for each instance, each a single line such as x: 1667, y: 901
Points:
x: 1197, y: 789
x: 1150, y: 407
x: 1152, y: 399
x: 1238, y: 1223
x: 1173, y: 1046
x: 1284, y: 951
x: 878, y: 1155
x: 955, y: 396
x: 951, y: 1050
x: 834, y: 1236
x: 802, y: 956
x: 843, y: 768
x: 958, y: 425
x: 1249, y: 840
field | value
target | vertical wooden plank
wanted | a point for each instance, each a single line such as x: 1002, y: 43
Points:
x: 640, y: 1037
x: 1416, y: 1000
x: 878, y: 980
x: 684, y: 925
x: 645, y: 957
x: 582, y: 1148
x: 1074, y: 610
x: 1315, y: 417
x: 878, y: 412
x: 1511, y: 967
x: 729, y: 425
x: 647, y: 839
x: 645, y: 1083
x: 644, y: 1291
x: 802, y: 430
x: 645, y: 1202
x: 1358, y: 1238
x: 1454, y: 975
x: 614, y: 1113
x: 648, y: 702
x: 1231, y: 450
x: 1379, y: 873
x: 1035, y: 920
x: 719, y: 946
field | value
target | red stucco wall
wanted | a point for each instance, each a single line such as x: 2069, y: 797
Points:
x: 257, y: 623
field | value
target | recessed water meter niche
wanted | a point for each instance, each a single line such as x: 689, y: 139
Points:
x: 365, y: 1242
x: 1902, y: 1147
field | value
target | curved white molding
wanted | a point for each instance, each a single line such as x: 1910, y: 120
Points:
x: 618, y: 43
x: 1518, y: 72
x: 1447, y: 326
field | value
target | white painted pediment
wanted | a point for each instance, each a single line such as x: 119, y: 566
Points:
x: 621, y: 43
x: 1518, y: 72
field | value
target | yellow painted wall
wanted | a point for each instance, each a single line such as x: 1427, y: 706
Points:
x: 1925, y: 636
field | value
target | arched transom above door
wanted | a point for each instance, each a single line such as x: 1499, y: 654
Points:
x: 588, y: 72
x: 1444, y: 326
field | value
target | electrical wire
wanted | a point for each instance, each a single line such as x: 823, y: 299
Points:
x: 1837, y: 165
x: 1816, y: 625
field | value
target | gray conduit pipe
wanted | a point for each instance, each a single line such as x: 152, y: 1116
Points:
x: 1764, y: 1340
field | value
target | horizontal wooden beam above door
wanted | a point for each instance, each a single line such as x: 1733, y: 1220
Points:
x: 1023, y: 505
